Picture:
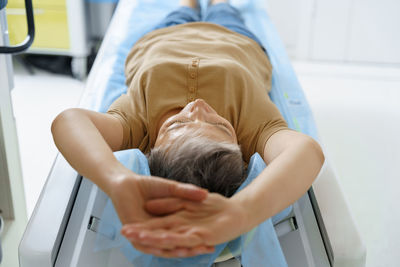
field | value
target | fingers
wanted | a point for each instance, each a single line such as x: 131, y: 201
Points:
x: 153, y: 224
x: 157, y: 187
x: 163, y: 239
x: 166, y: 244
x: 164, y: 206
x: 167, y: 206
x: 179, y: 252
x: 189, y: 192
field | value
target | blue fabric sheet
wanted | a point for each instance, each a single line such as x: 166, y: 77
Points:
x: 260, y: 247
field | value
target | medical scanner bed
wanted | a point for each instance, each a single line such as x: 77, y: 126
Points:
x: 62, y: 230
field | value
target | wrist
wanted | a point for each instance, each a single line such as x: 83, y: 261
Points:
x: 245, y: 204
x: 117, y: 178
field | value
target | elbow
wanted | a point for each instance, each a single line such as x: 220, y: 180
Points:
x: 312, y: 157
x: 60, y: 119
x: 316, y: 149
x: 57, y: 121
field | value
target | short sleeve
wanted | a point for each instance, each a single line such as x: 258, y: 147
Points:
x: 267, y: 131
x: 123, y: 109
x: 273, y: 123
x: 261, y: 122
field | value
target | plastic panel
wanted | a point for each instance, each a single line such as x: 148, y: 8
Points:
x: 46, y: 227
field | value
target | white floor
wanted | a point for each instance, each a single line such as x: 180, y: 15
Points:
x: 357, y: 112
x: 37, y: 100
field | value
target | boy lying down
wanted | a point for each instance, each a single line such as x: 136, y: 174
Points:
x: 198, y: 105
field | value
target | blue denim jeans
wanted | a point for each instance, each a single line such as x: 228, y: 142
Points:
x: 222, y: 14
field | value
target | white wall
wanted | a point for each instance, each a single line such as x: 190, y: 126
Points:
x: 356, y: 31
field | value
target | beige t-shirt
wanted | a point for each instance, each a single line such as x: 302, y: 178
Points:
x: 170, y: 67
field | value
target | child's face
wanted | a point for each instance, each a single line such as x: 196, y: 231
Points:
x: 199, y: 117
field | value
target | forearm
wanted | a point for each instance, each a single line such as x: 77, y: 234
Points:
x: 284, y: 181
x: 83, y: 146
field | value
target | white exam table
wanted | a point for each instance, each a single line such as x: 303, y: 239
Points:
x: 62, y: 229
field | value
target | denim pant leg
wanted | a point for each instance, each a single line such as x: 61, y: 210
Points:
x: 180, y: 16
x: 226, y: 15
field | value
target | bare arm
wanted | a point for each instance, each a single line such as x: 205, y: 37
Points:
x: 87, y: 140
x: 294, y: 161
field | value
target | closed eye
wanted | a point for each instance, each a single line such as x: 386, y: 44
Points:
x: 226, y: 127
x: 186, y: 121
x: 177, y: 121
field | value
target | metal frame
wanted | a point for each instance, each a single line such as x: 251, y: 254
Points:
x: 7, y: 123
x: 42, y: 240
x: 1, y: 231
x: 12, y: 195
x: 7, y: 49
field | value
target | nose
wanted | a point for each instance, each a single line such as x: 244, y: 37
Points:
x: 199, y: 109
x: 200, y: 103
